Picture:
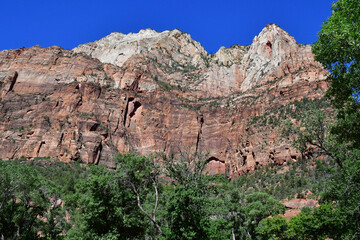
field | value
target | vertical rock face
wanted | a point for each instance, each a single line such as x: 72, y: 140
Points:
x: 153, y: 92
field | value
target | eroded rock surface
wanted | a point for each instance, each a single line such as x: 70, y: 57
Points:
x: 294, y: 206
x: 155, y: 92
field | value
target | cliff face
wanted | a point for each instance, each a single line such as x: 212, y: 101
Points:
x: 154, y: 92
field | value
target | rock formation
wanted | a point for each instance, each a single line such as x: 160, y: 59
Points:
x: 294, y: 206
x: 152, y: 92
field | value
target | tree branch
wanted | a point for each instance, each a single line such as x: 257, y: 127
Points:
x: 142, y: 209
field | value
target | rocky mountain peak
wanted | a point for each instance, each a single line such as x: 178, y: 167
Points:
x: 273, y: 54
x: 273, y: 31
x: 228, y: 56
x: 174, y: 58
x: 168, y: 56
x: 117, y: 48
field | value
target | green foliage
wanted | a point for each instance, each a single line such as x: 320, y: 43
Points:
x: 287, y: 181
x: 62, y: 177
x: 312, y: 133
x: 186, y: 214
x: 209, y: 207
x: 24, y: 200
x: 128, y: 203
x: 344, y: 189
x: 343, y: 186
x: 273, y: 228
x: 168, y: 87
x: 206, y: 59
x: 338, y: 50
x: 320, y: 223
x: 186, y: 170
x: 100, y: 68
x: 140, y: 175
x: 47, y: 120
x: 260, y: 206
x: 295, y: 110
x: 105, y: 208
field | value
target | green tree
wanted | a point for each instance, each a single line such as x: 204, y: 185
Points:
x: 344, y: 189
x: 186, y: 215
x: 257, y: 207
x: 105, y: 209
x: 25, y: 203
x: 338, y: 50
x: 187, y: 169
x: 273, y: 228
x: 141, y: 175
x: 226, y: 207
x: 318, y: 223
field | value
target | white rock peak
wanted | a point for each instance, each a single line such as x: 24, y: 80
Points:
x: 178, y: 59
x: 270, y: 51
x: 117, y: 48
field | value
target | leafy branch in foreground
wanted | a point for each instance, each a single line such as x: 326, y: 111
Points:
x: 141, y: 175
x: 25, y: 204
x: 312, y: 136
x: 337, y: 48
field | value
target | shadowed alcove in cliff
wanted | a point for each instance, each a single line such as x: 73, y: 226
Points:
x: 135, y: 107
x: 269, y: 44
x: 215, y: 166
x: 134, y: 113
x: 94, y: 127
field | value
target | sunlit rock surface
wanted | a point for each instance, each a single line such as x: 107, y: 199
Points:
x: 151, y: 92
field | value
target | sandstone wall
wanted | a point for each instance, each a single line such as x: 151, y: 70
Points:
x: 154, y: 92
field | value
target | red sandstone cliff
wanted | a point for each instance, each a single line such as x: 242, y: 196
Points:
x: 154, y: 92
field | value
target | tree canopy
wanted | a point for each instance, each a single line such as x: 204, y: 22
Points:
x: 338, y: 50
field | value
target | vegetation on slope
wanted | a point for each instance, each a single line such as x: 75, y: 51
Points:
x: 139, y: 200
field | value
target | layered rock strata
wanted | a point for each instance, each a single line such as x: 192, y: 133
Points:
x: 153, y: 92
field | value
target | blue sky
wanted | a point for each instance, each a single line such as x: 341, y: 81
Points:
x: 213, y: 23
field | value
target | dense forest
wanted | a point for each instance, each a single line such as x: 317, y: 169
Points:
x: 170, y: 197
x: 141, y: 199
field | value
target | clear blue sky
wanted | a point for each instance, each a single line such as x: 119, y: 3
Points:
x: 68, y: 23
